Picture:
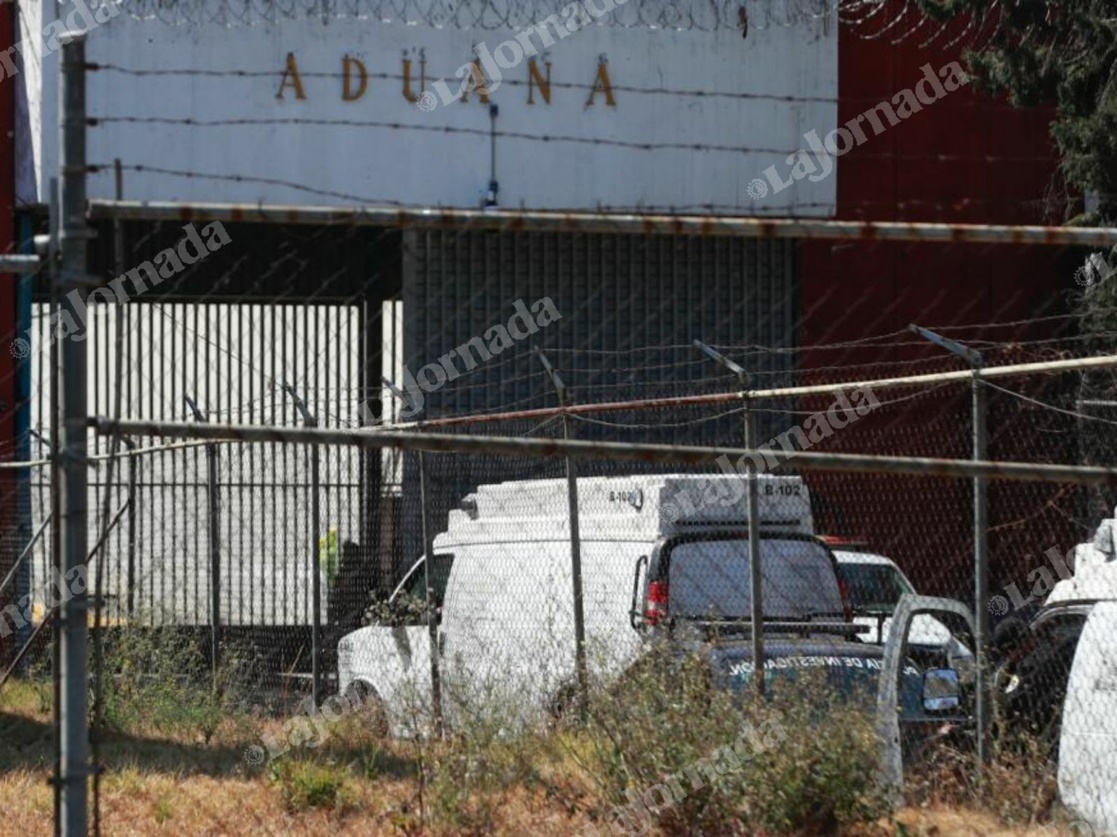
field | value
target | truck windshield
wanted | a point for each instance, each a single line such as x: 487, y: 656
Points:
x: 711, y: 579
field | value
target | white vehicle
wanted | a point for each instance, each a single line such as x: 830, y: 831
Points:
x: 1088, y: 735
x: 1072, y: 642
x: 655, y: 550
x: 1088, y: 741
x: 875, y: 584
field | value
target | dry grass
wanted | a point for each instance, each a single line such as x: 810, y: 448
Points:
x: 174, y: 784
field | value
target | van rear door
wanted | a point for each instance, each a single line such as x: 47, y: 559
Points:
x: 708, y: 577
x: 1088, y: 742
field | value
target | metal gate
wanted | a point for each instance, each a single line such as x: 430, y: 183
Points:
x: 614, y: 294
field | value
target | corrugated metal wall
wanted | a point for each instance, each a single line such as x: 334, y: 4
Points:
x: 615, y: 294
x: 232, y: 360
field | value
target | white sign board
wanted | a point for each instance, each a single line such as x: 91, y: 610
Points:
x: 334, y: 113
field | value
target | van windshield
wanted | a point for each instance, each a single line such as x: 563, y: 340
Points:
x: 415, y: 587
x: 710, y: 579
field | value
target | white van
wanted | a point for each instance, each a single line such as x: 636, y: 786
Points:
x: 1088, y: 735
x: 655, y: 550
x: 1088, y: 742
x: 1078, y: 621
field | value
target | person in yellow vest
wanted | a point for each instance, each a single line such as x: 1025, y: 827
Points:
x: 328, y: 555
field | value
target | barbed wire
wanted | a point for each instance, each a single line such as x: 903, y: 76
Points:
x: 987, y: 107
x: 896, y: 22
x: 490, y: 14
x: 497, y: 133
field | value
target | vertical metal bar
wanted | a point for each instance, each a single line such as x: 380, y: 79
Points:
x: 25, y: 510
x: 73, y: 243
x: 50, y: 333
x: 576, y: 571
x: 755, y: 577
x: 311, y: 421
x: 752, y: 515
x: 132, y: 465
x: 432, y: 625
x: 214, y: 557
x: 981, y: 575
x: 980, y: 524
x: 214, y: 548
x: 316, y: 586
x: 580, y: 670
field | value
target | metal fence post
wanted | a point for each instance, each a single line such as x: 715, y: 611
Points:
x: 580, y: 670
x: 315, y: 564
x: 752, y: 516
x: 756, y: 577
x: 432, y: 624
x: 214, y: 546
x: 22, y: 433
x: 74, y: 628
x: 133, y: 463
x: 981, y: 572
x: 428, y: 557
x: 980, y: 540
x: 56, y: 486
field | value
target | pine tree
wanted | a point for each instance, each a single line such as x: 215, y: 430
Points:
x: 1064, y: 54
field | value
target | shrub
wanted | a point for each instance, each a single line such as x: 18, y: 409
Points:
x: 306, y: 784
x: 157, y: 679
x: 667, y: 749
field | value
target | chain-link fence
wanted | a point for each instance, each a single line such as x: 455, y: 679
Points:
x: 482, y: 474
x: 553, y: 583
x: 311, y: 555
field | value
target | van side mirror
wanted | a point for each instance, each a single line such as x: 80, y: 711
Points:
x: 941, y: 690
x: 635, y: 615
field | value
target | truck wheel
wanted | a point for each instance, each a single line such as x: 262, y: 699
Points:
x: 565, y: 703
x: 367, y: 703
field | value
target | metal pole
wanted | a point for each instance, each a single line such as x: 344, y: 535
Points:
x: 432, y: 624
x: 73, y: 242
x: 755, y: 572
x: 609, y: 222
x: 907, y: 381
x: 752, y: 515
x: 980, y: 540
x: 580, y: 669
x: 55, y: 491
x: 611, y: 451
x: 22, y: 428
x: 428, y: 557
x: 981, y: 575
x: 214, y: 546
x: 132, y: 465
x: 309, y: 420
x: 316, y: 578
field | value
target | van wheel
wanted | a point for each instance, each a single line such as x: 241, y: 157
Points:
x: 565, y: 704
x: 367, y: 703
